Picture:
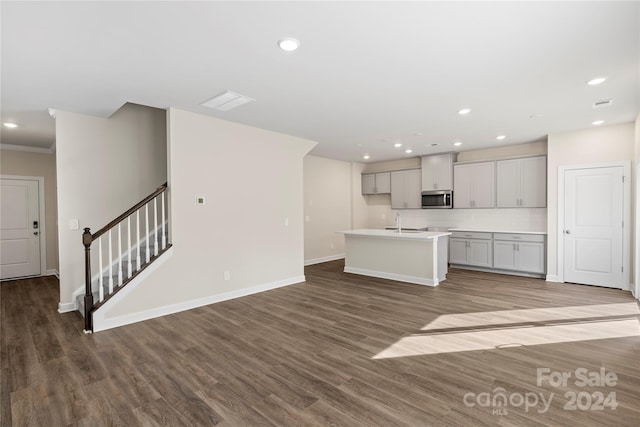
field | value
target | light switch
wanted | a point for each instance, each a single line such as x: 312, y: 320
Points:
x: 74, y: 224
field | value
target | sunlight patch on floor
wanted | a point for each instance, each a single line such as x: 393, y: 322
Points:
x: 486, y: 318
x: 451, y: 333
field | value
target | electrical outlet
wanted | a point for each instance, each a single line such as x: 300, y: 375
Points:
x: 74, y: 224
x: 227, y: 275
x: 200, y: 200
x: 332, y: 246
x: 307, y: 218
x: 286, y: 222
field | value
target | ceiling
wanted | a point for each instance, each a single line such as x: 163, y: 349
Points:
x: 367, y: 74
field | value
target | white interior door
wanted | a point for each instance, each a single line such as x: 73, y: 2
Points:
x: 593, y: 229
x: 19, y: 228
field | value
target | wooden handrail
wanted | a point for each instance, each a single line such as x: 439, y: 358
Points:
x: 137, y: 206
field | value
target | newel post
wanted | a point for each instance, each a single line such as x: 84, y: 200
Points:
x: 87, y: 239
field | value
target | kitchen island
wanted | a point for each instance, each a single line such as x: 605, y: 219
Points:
x: 413, y: 257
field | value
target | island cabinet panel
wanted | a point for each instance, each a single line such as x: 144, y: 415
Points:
x: 376, y: 183
x: 406, y: 189
x: 474, y: 185
x: 437, y: 171
x: 419, y: 258
x: 522, y: 183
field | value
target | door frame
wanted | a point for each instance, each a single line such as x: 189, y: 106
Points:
x: 43, y: 224
x: 626, y: 216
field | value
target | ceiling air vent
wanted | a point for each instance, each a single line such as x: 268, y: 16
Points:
x: 604, y: 103
x: 226, y: 101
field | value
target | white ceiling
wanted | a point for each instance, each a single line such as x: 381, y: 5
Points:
x: 366, y: 74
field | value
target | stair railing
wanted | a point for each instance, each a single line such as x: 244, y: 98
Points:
x: 154, y: 238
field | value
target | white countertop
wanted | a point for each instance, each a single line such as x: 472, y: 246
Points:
x: 393, y: 234
x: 486, y: 230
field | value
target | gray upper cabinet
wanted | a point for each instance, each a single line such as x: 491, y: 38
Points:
x: 522, y: 183
x: 474, y: 185
x: 437, y: 171
x: 376, y: 183
x: 405, y: 189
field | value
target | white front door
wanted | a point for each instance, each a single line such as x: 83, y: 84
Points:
x: 593, y: 229
x: 19, y: 228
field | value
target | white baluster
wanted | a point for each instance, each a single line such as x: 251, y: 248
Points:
x: 146, y: 213
x: 110, y: 265
x: 138, y: 239
x: 164, y: 233
x: 120, y: 254
x: 100, y: 284
x: 155, y: 224
x: 130, y: 252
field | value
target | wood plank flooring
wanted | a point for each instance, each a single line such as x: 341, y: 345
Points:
x: 339, y: 350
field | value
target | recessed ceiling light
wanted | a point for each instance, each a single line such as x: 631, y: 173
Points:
x: 288, y: 44
x: 457, y: 143
x: 418, y: 134
x: 464, y: 111
x: 366, y: 157
x: 9, y: 125
x: 536, y: 116
x: 397, y: 144
x: 408, y: 151
x: 434, y: 145
x: 500, y: 137
x: 597, y: 122
x: 596, y: 81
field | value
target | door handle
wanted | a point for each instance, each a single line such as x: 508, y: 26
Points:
x: 567, y: 231
x: 35, y: 233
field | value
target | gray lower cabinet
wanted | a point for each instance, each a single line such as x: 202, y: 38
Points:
x: 515, y: 253
x: 519, y: 252
x: 471, y: 249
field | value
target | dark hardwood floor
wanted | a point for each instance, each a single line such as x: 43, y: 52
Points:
x: 339, y: 349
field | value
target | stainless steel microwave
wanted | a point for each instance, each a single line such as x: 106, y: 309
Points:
x: 437, y: 199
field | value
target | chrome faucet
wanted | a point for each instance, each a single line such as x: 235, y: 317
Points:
x: 398, y: 222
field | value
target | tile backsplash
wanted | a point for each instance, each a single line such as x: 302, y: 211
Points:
x: 517, y: 219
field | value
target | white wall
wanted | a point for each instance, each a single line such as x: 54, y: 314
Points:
x: 252, y: 180
x: 636, y: 222
x: 104, y: 166
x: 26, y: 163
x: 528, y: 149
x: 590, y: 146
x: 327, y: 208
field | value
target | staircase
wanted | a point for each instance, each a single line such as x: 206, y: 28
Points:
x: 122, y: 250
x: 123, y: 265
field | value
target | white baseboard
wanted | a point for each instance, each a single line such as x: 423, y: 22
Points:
x: 553, y: 278
x: 52, y: 272
x: 391, y: 276
x: 66, y: 307
x: 100, y: 323
x: 323, y: 259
